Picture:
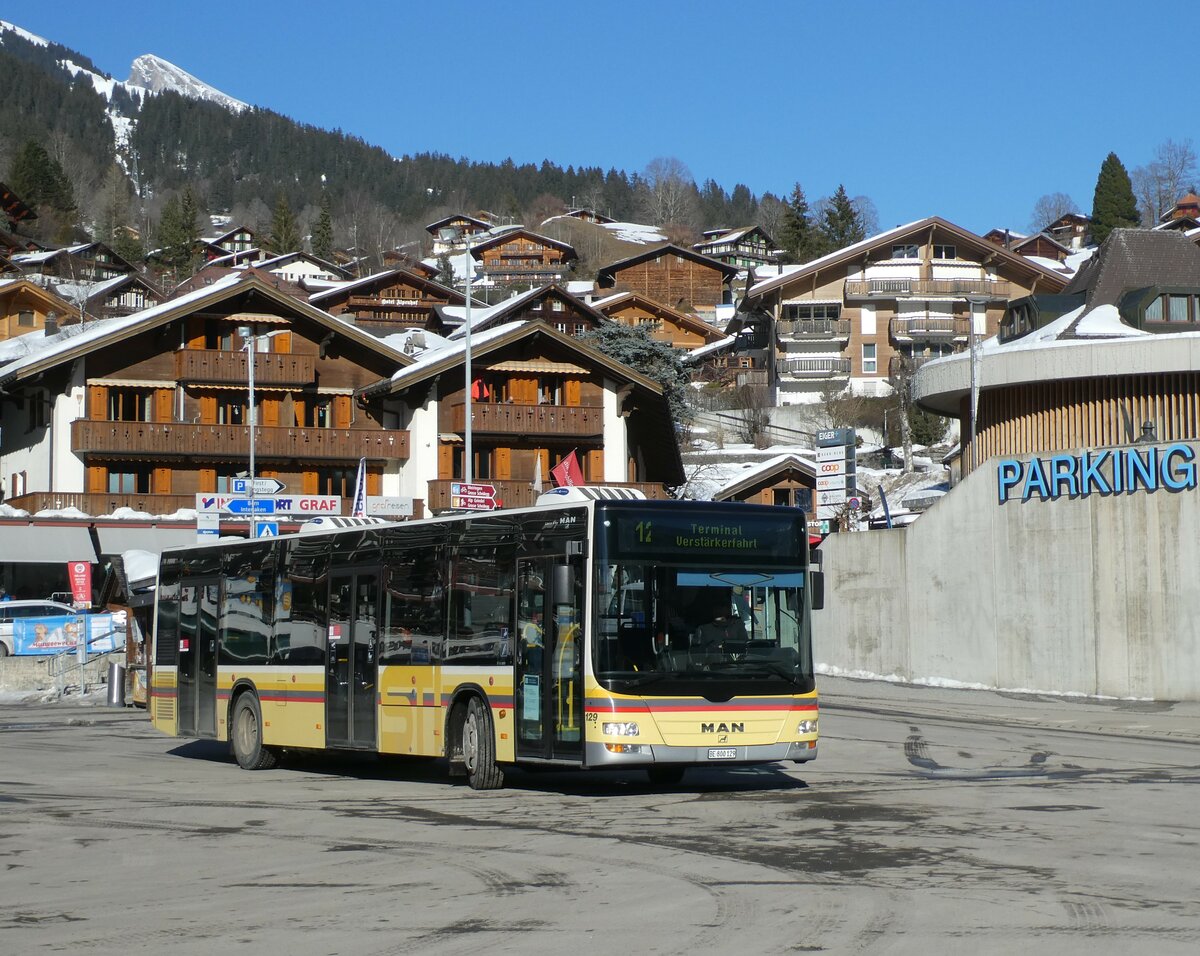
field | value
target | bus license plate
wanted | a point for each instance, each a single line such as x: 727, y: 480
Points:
x: 722, y: 753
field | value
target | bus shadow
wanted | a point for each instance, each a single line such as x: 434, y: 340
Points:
x: 589, y: 783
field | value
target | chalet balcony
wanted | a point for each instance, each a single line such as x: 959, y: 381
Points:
x: 916, y: 288
x: 582, y: 421
x: 815, y: 368
x: 101, y: 503
x: 914, y: 362
x: 228, y: 442
x: 837, y: 330
x: 520, y: 493
x: 927, y: 328
x: 230, y: 368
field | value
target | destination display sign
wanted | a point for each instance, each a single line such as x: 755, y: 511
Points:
x: 728, y: 540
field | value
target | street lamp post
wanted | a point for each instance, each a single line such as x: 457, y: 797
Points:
x: 251, y: 340
x: 453, y: 234
x: 973, y: 348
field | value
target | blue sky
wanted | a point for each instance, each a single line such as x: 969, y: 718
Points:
x: 968, y: 110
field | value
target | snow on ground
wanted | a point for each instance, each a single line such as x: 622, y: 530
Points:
x: 635, y: 232
x: 830, y: 670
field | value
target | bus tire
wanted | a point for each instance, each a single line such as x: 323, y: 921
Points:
x: 665, y: 775
x: 479, y: 748
x: 246, y: 736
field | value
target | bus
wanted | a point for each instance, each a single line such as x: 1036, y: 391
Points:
x: 563, y: 635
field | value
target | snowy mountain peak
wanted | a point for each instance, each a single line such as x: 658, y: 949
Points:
x: 155, y: 75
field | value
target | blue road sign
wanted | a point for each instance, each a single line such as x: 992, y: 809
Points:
x: 262, y: 506
x: 266, y: 529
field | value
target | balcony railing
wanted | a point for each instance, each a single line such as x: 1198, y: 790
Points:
x: 102, y: 503
x: 270, y: 368
x: 577, y: 420
x: 520, y: 493
x: 815, y: 367
x: 225, y: 442
x: 928, y: 327
x: 814, y: 328
x: 886, y: 288
x: 914, y: 362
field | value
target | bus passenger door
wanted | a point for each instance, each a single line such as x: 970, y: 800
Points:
x: 197, y: 674
x: 548, y: 671
x: 350, y: 687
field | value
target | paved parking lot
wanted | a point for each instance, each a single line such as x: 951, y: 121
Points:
x: 933, y: 821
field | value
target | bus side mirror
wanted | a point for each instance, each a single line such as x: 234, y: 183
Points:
x: 816, y: 585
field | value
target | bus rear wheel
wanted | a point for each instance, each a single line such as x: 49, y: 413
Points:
x: 665, y: 775
x: 246, y: 736
x: 479, y: 748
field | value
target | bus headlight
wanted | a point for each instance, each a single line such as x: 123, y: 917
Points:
x: 807, y: 727
x: 625, y: 729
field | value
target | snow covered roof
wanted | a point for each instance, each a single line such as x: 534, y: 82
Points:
x: 762, y: 472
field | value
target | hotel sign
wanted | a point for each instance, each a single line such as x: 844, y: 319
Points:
x: 1109, y: 471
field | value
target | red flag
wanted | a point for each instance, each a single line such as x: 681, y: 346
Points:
x: 567, y: 473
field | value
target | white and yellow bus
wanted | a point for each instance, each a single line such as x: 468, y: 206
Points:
x: 565, y: 635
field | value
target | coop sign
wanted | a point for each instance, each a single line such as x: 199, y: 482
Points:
x: 1109, y: 471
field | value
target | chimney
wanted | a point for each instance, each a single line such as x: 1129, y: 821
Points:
x: 51, y: 323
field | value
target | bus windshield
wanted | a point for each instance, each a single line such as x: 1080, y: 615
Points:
x: 661, y: 624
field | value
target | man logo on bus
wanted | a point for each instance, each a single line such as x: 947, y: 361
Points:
x: 737, y: 728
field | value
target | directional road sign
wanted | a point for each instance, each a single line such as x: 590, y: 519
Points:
x: 475, y: 496
x: 245, y: 506
x: 262, y: 486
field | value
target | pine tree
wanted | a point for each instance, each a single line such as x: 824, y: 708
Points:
x: 38, y: 179
x: 1113, y: 205
x: 178, y: 232
x: 841, y: 225
x: 799, y: 237
x: 285, y: 234
x: 116, y: 225
x: 322, y: 233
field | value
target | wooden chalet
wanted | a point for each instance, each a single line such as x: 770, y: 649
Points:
x: 299, y: 267
x: 398, y: 259
x: 1004, y: 237
x: 587, y: 215
x: 27, y: 307
x: 879, y: 308
x: 84, y: 262
x: 550, y: 304
x: 681, y: 278
x: 518, y: 255
x: 388, y: 301
x: 1072, y: 229
x: 536, y: 396
x: 13, y: 207
x: 1187, y: 207
x: 460, y: 227
x: 151, y: 409
x: 678, y: 329
x: 237, y: 239
x: 747, y: 248
x: 786, y: 480
x: 1042, y: 245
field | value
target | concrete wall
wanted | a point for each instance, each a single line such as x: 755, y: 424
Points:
x: 31, y: 674
x: 1096, y: 595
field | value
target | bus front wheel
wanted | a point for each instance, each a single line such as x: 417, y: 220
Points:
x: 246, y: 736
x: 479, y: 748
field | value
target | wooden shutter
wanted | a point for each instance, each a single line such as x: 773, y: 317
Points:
x: 445, y: 462
x: 270, y: 412
x: 298, y: 409
x: 503, y: 463
x: 282, y: 342
x: 97, y: 478
x: 308, y: 483
x: 208, y: 480
x: 572, y: 391
x: 161, y: 481
x: 164, y: 404
x: 341, y: 411
x: 595, y: 466
x: 195, y: 333
x: 97, y: 403
x: 374, y: 482
x: 208, y: 414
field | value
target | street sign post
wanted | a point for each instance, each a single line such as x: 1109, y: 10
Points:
x: 263, y: 487
x: 472, y: 496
